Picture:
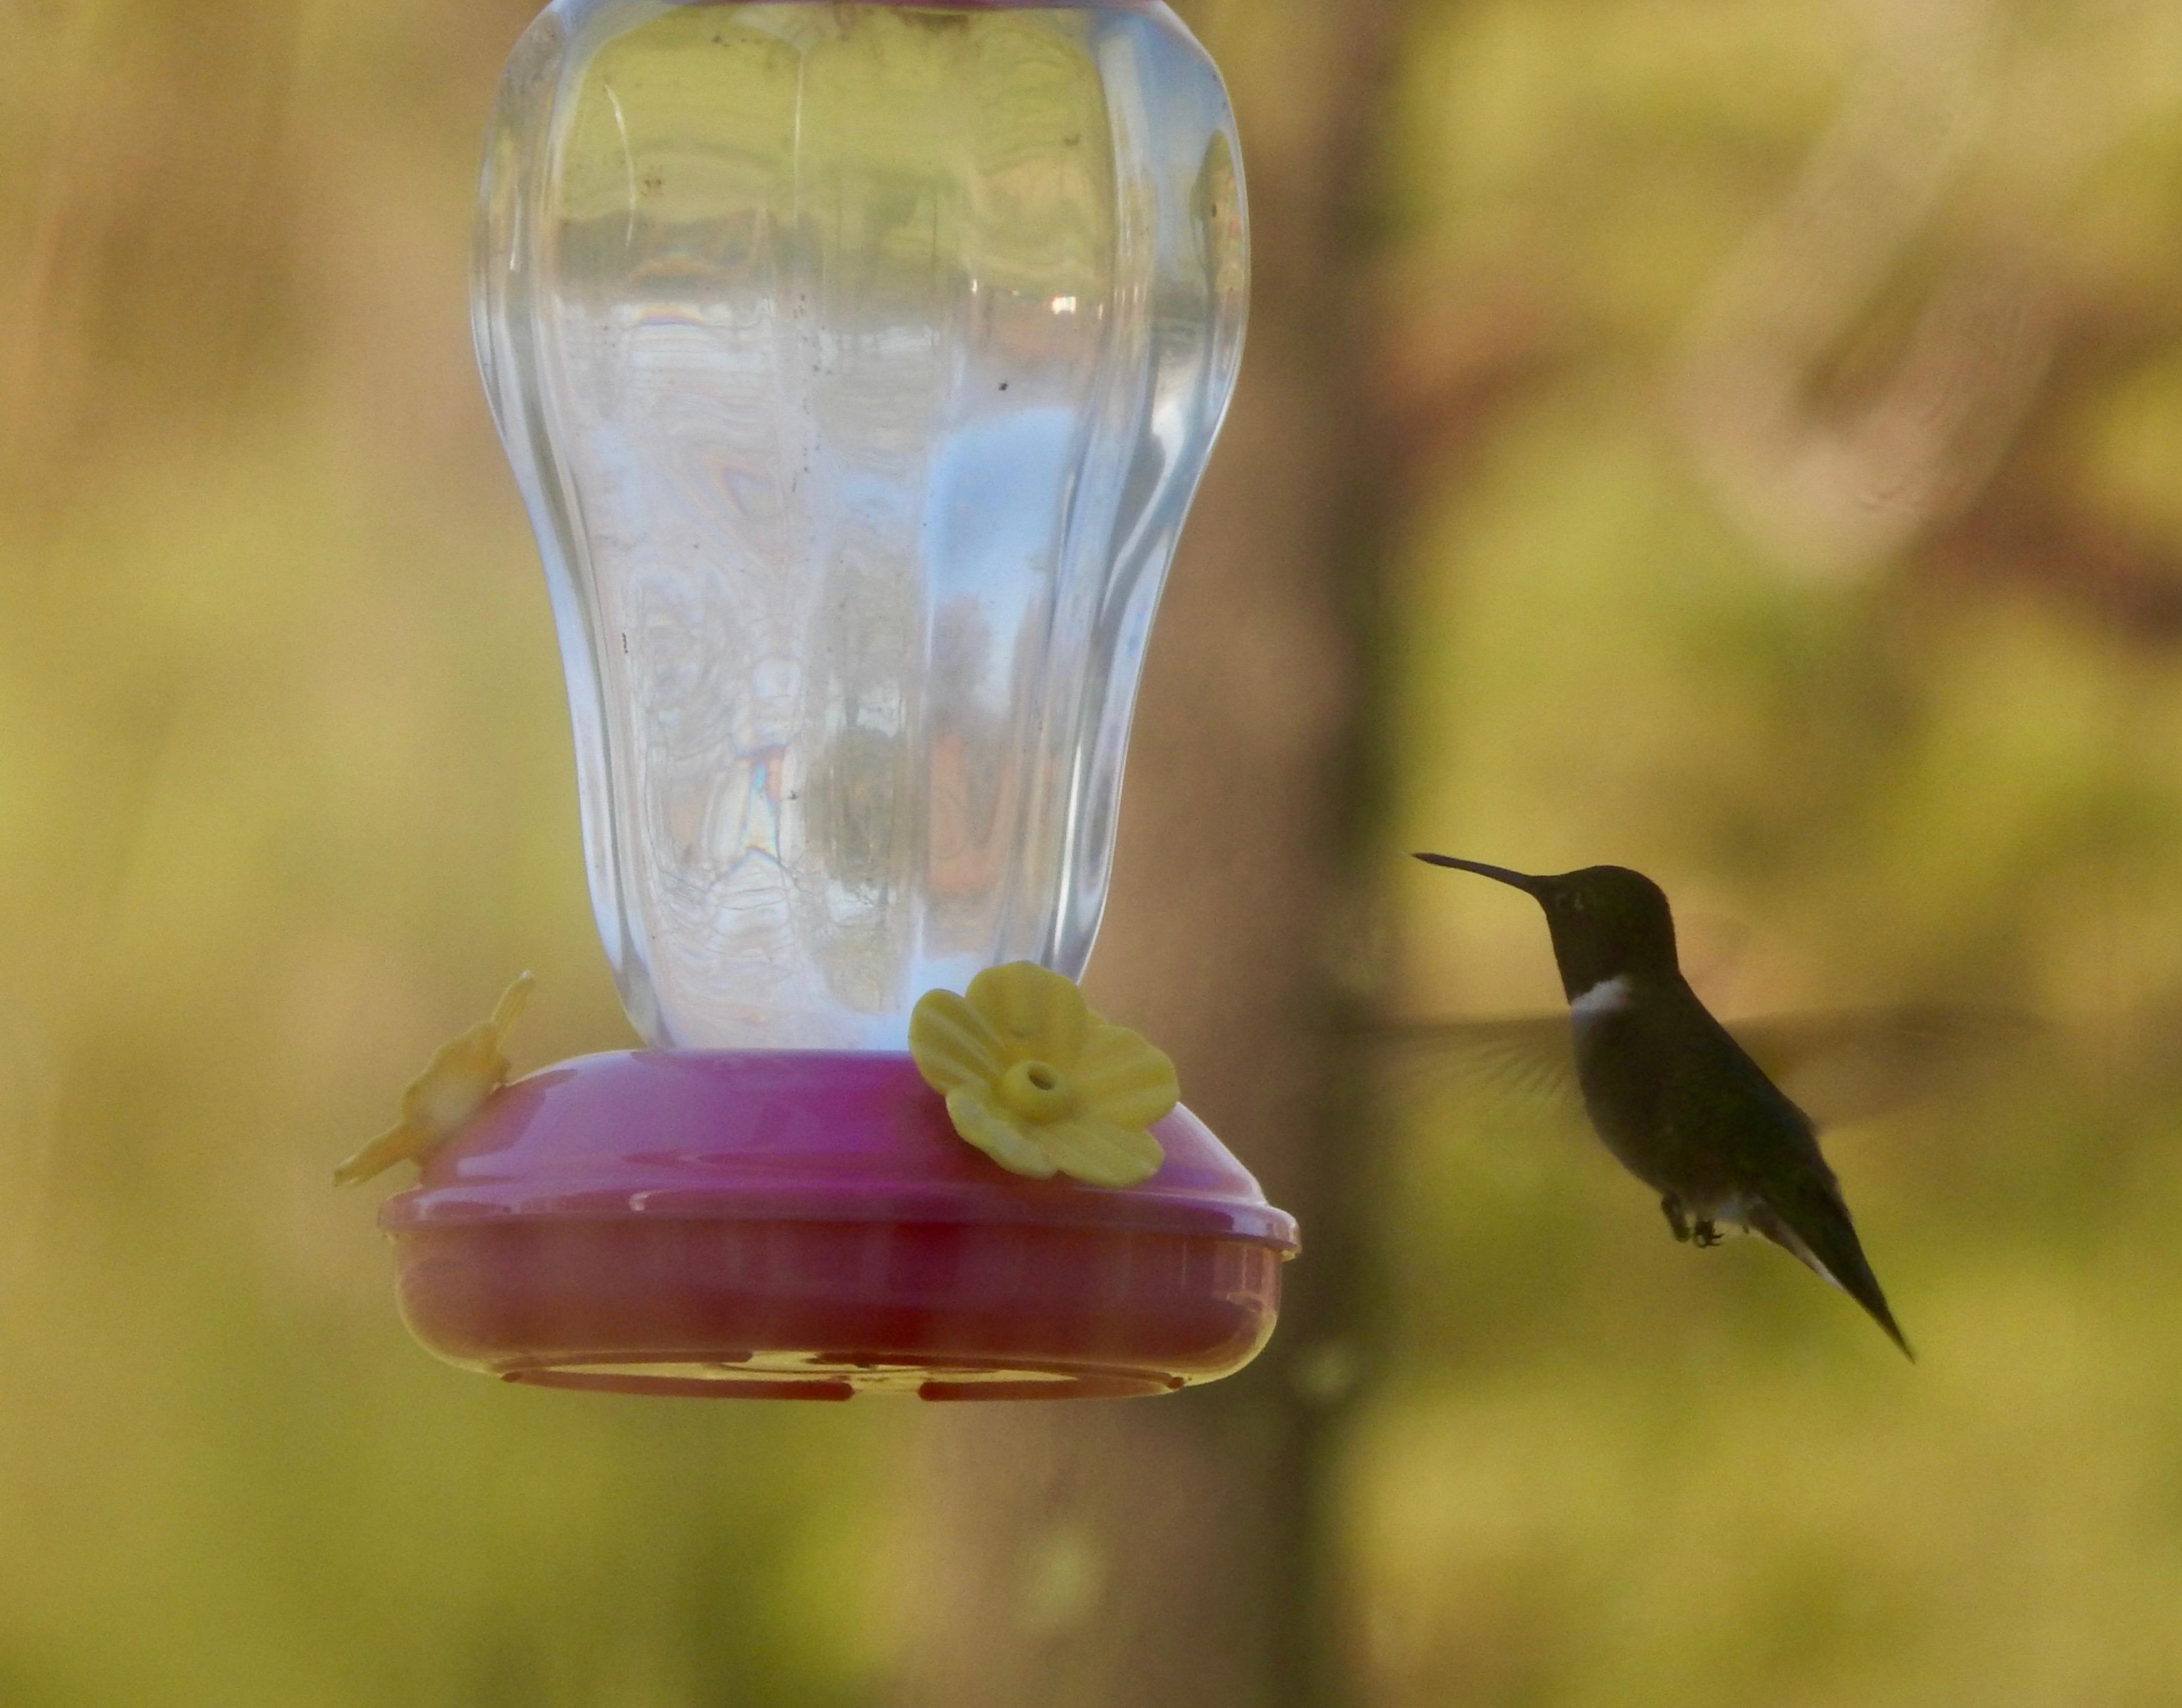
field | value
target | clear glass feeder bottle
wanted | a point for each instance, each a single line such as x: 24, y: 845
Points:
x: 857, y: 363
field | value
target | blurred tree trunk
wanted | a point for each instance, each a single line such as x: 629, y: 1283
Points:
x: 1184, y: 1551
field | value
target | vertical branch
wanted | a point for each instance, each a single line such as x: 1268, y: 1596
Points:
x: 1184, y: 1551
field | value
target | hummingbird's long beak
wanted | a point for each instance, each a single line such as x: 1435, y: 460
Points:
x: 1521, y: 880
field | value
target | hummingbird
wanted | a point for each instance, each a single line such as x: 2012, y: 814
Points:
x: 1678, y: 1102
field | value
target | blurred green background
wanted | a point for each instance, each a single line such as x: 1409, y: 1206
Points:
x: 1780, y: 414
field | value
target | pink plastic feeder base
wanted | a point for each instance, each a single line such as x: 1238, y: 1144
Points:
x: 807, y: 1225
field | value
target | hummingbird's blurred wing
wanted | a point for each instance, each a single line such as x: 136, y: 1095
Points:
x: 1839, y: 1065
x: 1846, y: 1065
x: 1507, y: 1059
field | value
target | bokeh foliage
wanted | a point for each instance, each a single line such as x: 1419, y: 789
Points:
x: 284, y: 797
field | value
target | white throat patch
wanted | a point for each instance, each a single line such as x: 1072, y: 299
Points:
x: 1604, y: 998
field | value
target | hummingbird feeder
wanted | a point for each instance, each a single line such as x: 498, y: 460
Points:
x: 857, y: 363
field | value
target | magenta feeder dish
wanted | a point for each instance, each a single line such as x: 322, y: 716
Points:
x: 857, y: 364
x: 804, y: 1224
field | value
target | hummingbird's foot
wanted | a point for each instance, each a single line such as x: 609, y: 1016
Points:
x: 1704, y: 1236
x: 1676, y: 1220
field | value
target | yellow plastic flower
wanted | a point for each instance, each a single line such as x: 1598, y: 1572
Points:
x: 441, y: 1100
x: 1037, y: 1082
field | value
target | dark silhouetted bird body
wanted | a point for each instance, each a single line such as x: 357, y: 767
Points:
x: 1674, y: 1096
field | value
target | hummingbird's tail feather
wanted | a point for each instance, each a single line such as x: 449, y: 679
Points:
x: 1814, y: 1227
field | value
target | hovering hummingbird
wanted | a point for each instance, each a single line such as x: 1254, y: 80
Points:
x: 1677, y: 1100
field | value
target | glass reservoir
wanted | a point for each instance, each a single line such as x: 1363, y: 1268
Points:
x: 856, y: 363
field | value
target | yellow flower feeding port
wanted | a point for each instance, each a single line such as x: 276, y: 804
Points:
x: 1037, y: 1082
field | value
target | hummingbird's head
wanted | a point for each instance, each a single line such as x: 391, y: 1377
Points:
x: 1606, y: 920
